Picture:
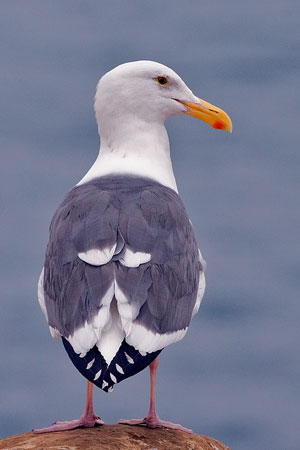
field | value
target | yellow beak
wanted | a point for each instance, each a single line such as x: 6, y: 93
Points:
x: 211, y: 114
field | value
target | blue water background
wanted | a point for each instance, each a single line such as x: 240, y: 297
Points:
x: 236, y: 374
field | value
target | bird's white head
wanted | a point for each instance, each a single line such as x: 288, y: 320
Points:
x: 132, y: 103
x: 143, y: 89
x: 150, y: 92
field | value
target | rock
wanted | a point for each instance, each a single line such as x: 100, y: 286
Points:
x: 112, y: 437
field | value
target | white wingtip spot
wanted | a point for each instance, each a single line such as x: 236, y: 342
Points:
x: 129, y: 359
x: 110, y: 389
x: 119, y: 369
x: 104, y: 384
x: 90, y: 364
x: 97, y: 375
x: 113, y: 378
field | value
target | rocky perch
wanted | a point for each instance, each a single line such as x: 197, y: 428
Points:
x: 112, y: 437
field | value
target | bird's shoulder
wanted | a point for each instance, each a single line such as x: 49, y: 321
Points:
x: 107, y: 210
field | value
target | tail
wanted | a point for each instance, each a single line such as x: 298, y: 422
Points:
x: 127, y: 362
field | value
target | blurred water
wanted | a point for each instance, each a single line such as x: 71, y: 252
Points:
x: 236, y: 374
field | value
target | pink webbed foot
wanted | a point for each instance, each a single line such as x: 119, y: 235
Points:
x: 152, y: 420
x: 84, y: 422
x: 155, y: 422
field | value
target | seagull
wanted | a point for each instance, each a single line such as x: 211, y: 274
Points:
x: 123, y: 275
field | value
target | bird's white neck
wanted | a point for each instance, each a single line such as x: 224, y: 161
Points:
x: 137, y: 149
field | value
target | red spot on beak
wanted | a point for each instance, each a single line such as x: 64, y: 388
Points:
x: 219, y: 125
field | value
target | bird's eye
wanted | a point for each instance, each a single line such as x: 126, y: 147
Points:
x: 162, y: 80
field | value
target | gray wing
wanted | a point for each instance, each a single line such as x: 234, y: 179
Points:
x: 129, y: 241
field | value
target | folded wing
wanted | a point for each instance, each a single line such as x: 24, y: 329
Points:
x: 121, y: 264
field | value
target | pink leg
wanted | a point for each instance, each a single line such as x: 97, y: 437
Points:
x: 88, y: 419
x: 152, y: 420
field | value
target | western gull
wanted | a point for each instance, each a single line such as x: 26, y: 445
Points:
x: 123, y: 275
